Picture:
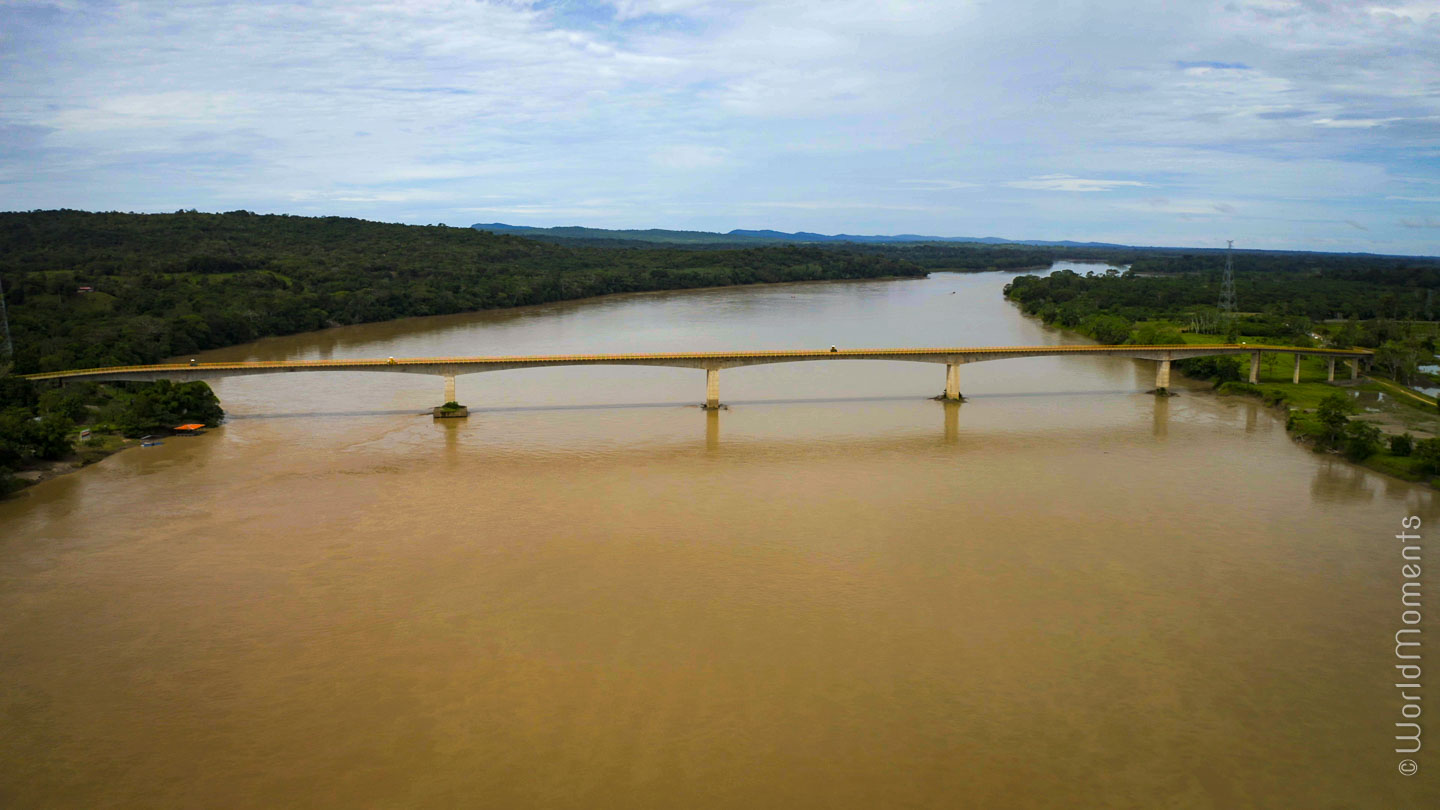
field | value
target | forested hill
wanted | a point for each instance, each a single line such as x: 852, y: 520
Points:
x: 162, y: 285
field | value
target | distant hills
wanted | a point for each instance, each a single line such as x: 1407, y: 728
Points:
x: 740, y: 236
x: 803, y: 236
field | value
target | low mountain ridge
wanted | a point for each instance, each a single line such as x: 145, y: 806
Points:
x: 740, y: 235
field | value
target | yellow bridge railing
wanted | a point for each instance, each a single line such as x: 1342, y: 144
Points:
x: 699, y: 359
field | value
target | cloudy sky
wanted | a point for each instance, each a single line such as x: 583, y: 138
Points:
x: 1277, y: 123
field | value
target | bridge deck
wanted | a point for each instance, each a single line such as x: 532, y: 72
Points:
x: 461, y: 365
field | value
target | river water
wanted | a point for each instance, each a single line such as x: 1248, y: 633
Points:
x: 593, y: 594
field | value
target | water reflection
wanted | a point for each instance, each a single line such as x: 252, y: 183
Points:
x: 451, y: 429
x: 1336, y: 481
x: 1160, y: 425
x: 712, y: 430
x: 952, y: 422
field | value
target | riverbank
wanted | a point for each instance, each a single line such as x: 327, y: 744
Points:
x: 1393, y: 416
x: 1385, y: 408
x: 48, y: 430
x: 1390, y: 408
x: 1385, y: 405
x: 96, y: 448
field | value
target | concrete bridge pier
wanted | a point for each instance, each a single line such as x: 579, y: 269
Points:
x: 952, y: 382
x: 1332, y: 369
x: 1355, y: 369
x: 1297, y: 369
x: 1254, y: 367
x: 712, y: 389
x: 1162, y: 377
x: 441, y: 412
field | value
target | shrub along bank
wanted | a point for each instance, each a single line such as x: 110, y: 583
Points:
x: 40, y: 426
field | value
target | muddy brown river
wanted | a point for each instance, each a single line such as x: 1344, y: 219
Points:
x: 592, y: 594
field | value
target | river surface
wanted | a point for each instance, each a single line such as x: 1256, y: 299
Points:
x: 593, y: 594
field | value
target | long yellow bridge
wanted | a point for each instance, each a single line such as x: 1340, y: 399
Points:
x: 713, y: 362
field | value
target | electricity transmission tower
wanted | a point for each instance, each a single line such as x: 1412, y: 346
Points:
x: 1227, y: 286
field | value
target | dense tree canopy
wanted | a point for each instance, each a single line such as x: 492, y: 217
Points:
x: 161, y: 405
x: 88, y: 290
x: 1285, y: 300
x: 1315, y: 286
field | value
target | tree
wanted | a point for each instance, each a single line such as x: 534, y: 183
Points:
x: 163, y: 405
x: 17, y: 392
x: 1402, y: 445
x: 1362, y: 440
x: 1333, y: 412
x: 1399, y: 359
x: 1156, y: 334
x: 68, y: 403
x: 1219, y: 368
x: 49, y: 438
x: 1111, y: 329
x: 24, y: 437
x: 1428, y: 453
x: 14, y: 427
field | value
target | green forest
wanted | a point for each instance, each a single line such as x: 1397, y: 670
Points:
x: 87, y: 290
x: 1277, y: 295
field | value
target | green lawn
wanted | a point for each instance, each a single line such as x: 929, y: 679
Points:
x: 1279, y: 367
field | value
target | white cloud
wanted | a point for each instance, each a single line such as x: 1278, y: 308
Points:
x: 689, y: 156
x: 1187, y: 208
x: 1416, y: 12
x: 938, y: 185
x: 179, y: 108
x: 846, y: 205
x: 410, y: 195
x: 1352, y: 123
x: 1297, y: 115
x: 1065, y: 182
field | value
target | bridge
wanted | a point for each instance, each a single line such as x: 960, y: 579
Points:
x: 713, y: 362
